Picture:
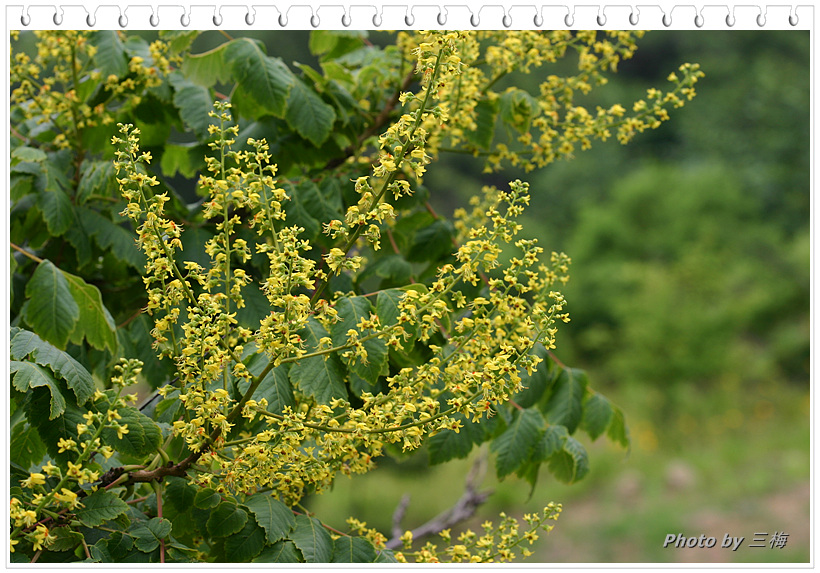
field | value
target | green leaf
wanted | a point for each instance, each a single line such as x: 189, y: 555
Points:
x: 257, y: 306
x: 96, y: 178
x: 207, y: 498
x: 387, y: 307
x: 111, y: 236
x: 447, y: 444
x: 390, y: 267
x: 51, y: 430
x: 184, y: 159
x: 95, y: 324
x: 149, y: 533
x: 321, y: 377
x: 25, y: 343
x: 110, y: 57
x: 280, y: 552
x: 28, y: 375
x: 275, y: 386
x: 597, y: 415
x: 120, y: 545
x: 99, y: 507
x: 63, y: 539
x: 385, y: 556
x: 565, y: 405
x: 246, y: 544
x: 353, y: 550
x: 275, y: 517
x: 143, y: 437
x: 308, y: 114
x: 28, y: 155
x: 536, y: 384
x: 432, y: 242
x: 226, y: 519
x: 181, y: 494
x: 514, y: 446
x: 351, y: 310
x: 312, y: 539
x: 207, y: 68
x: 194, y: 102
x: 517, y: 108
x: 618, y: 430
x: 570, y: 463
x: 178, y: 40
x: 51, y: 310
x: 266, y: 80
x: 332, y: 44
x: 551, y: 442
x: 26, y: 448
x: 486, y: 114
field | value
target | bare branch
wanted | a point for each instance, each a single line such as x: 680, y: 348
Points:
x: 464, y: 508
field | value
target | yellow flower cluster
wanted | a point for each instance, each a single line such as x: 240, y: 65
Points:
x: 498, y: 544
x: 43, y: 500
x: 301, y: 449
x: 49, y: 88
x: 549, y: 125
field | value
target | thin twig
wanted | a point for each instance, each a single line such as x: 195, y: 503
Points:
x: 464, y: 508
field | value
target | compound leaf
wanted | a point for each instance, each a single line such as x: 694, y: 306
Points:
x: 312, y: 539
x: 246, y: 544
x: 99, y: 507
x: 514, y: 446
x: 226, y: 519
x: 597, y: 415
x: 51, y: 310
x: 565, y: 405
x: 275, y: 517
x: 353, y: 550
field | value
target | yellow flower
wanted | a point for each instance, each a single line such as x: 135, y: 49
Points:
x: 33, y: 480
x: 122, y: 430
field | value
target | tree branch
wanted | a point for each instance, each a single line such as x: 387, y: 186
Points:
x: 464, y: 508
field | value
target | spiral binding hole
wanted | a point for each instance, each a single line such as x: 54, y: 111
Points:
x: 409, y: 20
x: 506, y: 20
x: 283, y: 20
x: 25, y: 19
x: 153, y: 20
x: 57, y: 19
x: 217, y: 19
x: 377, y: 19
x: 538, y: 20
x: 569, y: 20
x: 346, y: 20
x: 730, y: 20
x: 474, y: 20
x: 601, y: 19
x: 314, y: 20
x: 185, y: 20
x: 250, y: 19
x: 441, y: 19
x: 633, y: 18
x: 122, y: 20
x: 90, y: 20
x: 699, y: 20
x: 667, y: 19
x: 761, y: 20
x: 793, y: 19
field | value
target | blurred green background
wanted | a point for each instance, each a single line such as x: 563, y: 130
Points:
x: 689, y: 300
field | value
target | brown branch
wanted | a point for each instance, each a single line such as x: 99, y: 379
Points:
x: 464, y: 508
